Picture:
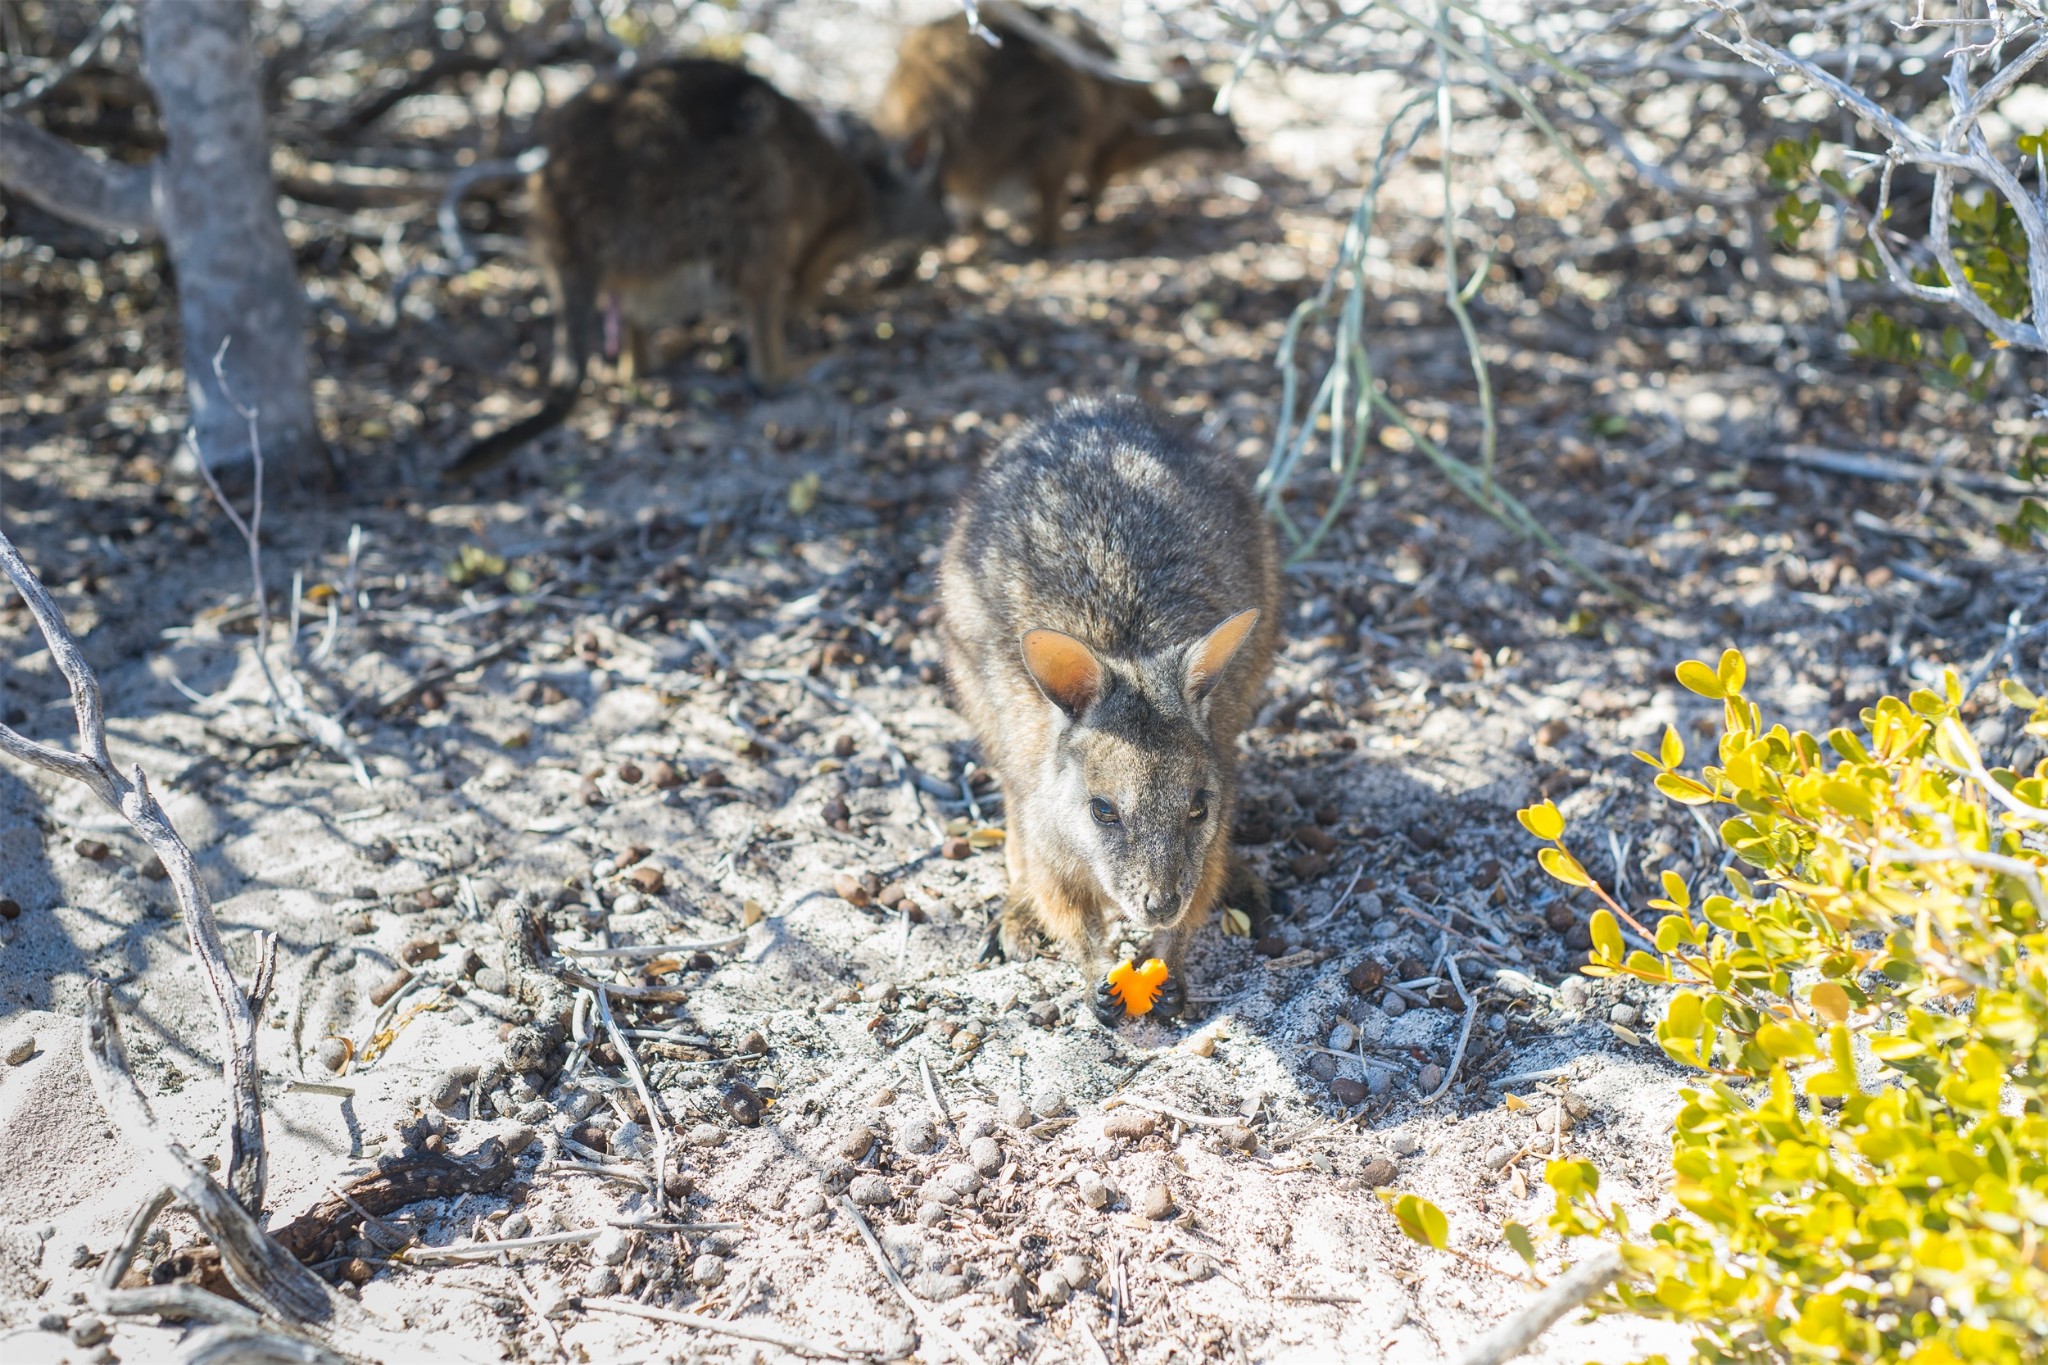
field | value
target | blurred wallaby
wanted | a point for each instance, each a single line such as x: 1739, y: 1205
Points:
x: 1024, y: 111
x: 685, y: 182
x: 1111, y: 607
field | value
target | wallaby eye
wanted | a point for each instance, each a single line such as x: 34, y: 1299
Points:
x: 1198, y: 808
x: 1104, y: 811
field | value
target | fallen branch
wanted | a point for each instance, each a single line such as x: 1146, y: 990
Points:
x: 1883, y: 469
x: 1565, y: 1293
x: 1464, y: 1034
x: 237, y: 1009
x: 722, y: 1326
x: 931, y: 1322
x: 263, y: 1273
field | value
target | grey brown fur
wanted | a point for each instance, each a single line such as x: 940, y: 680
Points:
x: 685, y: 182
x: 1104, y: 525
x: 1021, y: 112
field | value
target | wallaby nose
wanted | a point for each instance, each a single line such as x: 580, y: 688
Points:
x: 1162, y: 909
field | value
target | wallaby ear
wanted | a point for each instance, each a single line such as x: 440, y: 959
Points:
x: 1066, y: 670
x: 1208, y: 658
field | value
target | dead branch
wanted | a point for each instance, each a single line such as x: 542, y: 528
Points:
x: 1567, y: 1292
x: 745, y: 1331
x: 110, y: 19
x: 54, y: 175
x: 236, y: 1008
x: 262, y: 1272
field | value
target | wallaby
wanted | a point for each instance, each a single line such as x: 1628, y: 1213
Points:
x: 1110, y: 610
x: 685, y: 181
x: 1023, y: 111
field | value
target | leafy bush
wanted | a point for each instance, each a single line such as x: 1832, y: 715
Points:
x: 1863, y: 1175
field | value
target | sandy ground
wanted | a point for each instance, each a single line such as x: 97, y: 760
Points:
x: 611, y: 762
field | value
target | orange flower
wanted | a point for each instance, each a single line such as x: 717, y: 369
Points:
x: 1137, y: 987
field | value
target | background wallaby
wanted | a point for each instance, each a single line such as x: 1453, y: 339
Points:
x: 1023, y: 112
x: 687, y: 180
x: 1111, y: 606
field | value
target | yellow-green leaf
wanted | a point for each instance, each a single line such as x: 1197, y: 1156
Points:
x: 1672, y: 750
x: 1518, y: 1237
x: 1236, y: 922
x: 1695, y: 676
x: 1606, y: 931
x: 1675, y: 889
x: 1564, y: 867
x: 1684, y: 790
x: 1544, y: 820
x: 1422, y: 1221
x: 1732, y: 672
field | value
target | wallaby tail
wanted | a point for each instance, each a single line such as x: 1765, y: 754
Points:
x: 488, y: 452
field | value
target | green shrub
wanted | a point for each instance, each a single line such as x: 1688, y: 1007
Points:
x: 1863, y: 1174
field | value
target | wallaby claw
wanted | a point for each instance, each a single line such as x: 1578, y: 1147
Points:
x: 992, y: 943
x: 1171, y: 1000
x: 1109, y: 1008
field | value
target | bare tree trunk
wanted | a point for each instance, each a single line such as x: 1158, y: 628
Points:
x: 216, y: 207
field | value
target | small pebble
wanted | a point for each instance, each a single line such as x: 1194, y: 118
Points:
x: 420, y: 950
x: 883, y: 1098
x: 1393, y: 1006
x: 87, y: 1330
x: 629, y: 903
x: 629, y: 771
x: 664, y: 775
x: 1501, y: 1155
x: 870, y: 1190
x: 809, y: 1205
x: 1076, y: 1272
x: 1049, y: 1104
x: 1053, y: 1287
x: 986, y: 1154
x: 856, y: 1144
x: 1572, y: 993
x: 1625, y: 1015
x: 10, y: 908
x: 961, y: 1178
x: 1096, y: 1192
x: 332, y: 1054
x: 754, y: 1044
x: 601, y: 1282
x: 916, y: 1135
x: 723, y: 1242
x: 1239, y: 1137
x: 931, y: 1213
x: 1129, y: 1124
x: 1348, y: 1092
x: 22, y: 1051
x: 647, y: 879
x: 1378, y: 1171
x: 1154, y: 1201
x: 602, y: 868
x: 1343, y: 1034
x: 1012, y: 1110
x: 551, y: 1298
x: 99, y: 853
x: 1430, y: 1077
x: 955, y: 848
x: 611, y: 1247
x: 706, y: 1135
x: 743, y: 1102
x: 516, y: 1224
x: 846, y: 886
x: 390, y: 986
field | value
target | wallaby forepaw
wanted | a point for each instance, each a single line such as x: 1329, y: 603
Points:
x: 1171, y: 1001
x: 1107, y: 1004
